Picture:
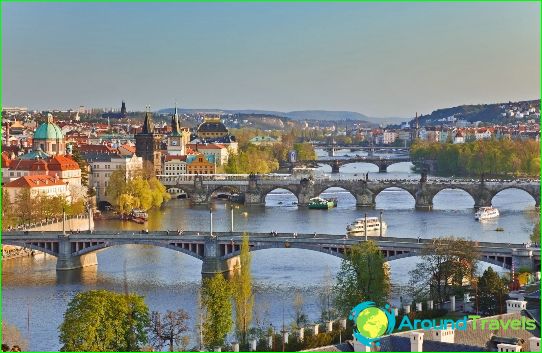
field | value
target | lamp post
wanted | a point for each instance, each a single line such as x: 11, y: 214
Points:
x: 381, y: 223
x: 211, y: 221
x: 231, y: 218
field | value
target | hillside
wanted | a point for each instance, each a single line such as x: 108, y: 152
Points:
x: 486, y: 113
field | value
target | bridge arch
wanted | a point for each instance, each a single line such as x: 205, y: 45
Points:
x: 411, y: 192
x: 290, y: 190
x: 337, y: 251
x: 224, y: 188
x: 326, y: 188
x: 197, y: 251
x: 535, y: 195
x: 30, y: 246
x: 462, y: 193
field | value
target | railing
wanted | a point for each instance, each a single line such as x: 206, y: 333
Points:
x: 46, y: 222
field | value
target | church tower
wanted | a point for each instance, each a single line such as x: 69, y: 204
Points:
x: 148, y: 144
x: 175, y: 145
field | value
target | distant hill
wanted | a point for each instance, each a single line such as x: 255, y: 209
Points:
x: 300, y: 115
x: 487, y: 113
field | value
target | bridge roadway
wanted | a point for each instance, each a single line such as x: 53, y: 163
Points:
x: 199, y: 188
x: 337, y: 162
x: 220, y: 252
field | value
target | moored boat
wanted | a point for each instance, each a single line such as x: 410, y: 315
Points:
x: 357, y: 228
x: 484, y: 213
x: 318, y: 203
x: 139, y: 216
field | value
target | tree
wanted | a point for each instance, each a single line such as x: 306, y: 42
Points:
x: 168, y: 328
x: 447, y: 263
x: 215, y: 300
x: 9, y: 218
x: 300, y: 318
x: 535, y: 235
x: 305, y: 151
x: 117, y: 184
x: 100, y: 320
x: 82, y: 164
x: 492, y: 293
x: 362, y: 277
x: 242, y: 292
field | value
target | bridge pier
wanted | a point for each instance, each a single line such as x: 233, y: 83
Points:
x: 365, y: 199
x: 382, y: 167
x: 254, y: 198
x: 335, y: 166
x: 423, y: 198
x: 213, y: 265
x: 523, y: 258
x: 66, y: 261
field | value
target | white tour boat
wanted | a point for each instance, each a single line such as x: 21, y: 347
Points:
x: 486, y: 213
x: 357, y: 228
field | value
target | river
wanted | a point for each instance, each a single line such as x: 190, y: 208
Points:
x: 34, y: 296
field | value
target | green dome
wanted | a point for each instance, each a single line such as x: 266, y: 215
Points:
x: 48, y: 131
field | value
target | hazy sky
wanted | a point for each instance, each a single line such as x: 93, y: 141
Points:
x: 390, y: 59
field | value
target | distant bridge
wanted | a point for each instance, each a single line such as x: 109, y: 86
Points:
x: 220, y: 252
x: 335, y: 163
x: 200, y: 188
x: 331, y: 149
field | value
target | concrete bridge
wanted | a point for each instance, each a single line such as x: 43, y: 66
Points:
x: 220, y: 252
x: 332, y: 148
x: 335, y: 163
x: 200, y: 188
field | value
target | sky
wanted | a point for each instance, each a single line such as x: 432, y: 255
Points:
x: 379, y: 59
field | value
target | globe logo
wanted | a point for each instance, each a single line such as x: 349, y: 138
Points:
x: 371, y: 322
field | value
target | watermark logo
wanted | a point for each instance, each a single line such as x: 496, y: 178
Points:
x: 371, y: 322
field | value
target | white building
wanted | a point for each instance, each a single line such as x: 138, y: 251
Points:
x: 390, y: 137
x: 45, y: 185
x: 174, y: 165
x: 102, y: 168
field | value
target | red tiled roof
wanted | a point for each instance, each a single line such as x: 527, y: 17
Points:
x: 170, y: 157
x: 62, y: 163
x: 203, y: 146
x: 32, y: 181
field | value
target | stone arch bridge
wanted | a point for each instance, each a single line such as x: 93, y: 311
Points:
x: 255, y: 188
x: 220, y: 252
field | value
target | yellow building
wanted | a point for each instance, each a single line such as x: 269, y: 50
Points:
x: 200, y: 165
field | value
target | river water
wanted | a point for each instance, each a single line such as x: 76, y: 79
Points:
x: 34, y: 296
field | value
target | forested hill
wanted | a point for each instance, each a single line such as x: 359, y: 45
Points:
x: 489, y: 113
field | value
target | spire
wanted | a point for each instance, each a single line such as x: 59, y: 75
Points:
x: 148, y: 126
x: 175, y: 130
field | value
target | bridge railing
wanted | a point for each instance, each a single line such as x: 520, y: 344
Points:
x: 45, y: 222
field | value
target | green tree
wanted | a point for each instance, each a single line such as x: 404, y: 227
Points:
x: 100, y: 320
x: 9, y: 218
x: 446, y: 264
x: 363, y: 277
x: 242, y: 292
x: 305, y: 151
x: 492, y: 293
x: 76, y: 155
x: 117, y: 184
x: 215, y: 300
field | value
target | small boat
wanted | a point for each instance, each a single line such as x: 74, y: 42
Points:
x: 484, y: 213
x: 357, y: 228
x: 139, y: 216
x: 499, y: 229
x: 318, y: 203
